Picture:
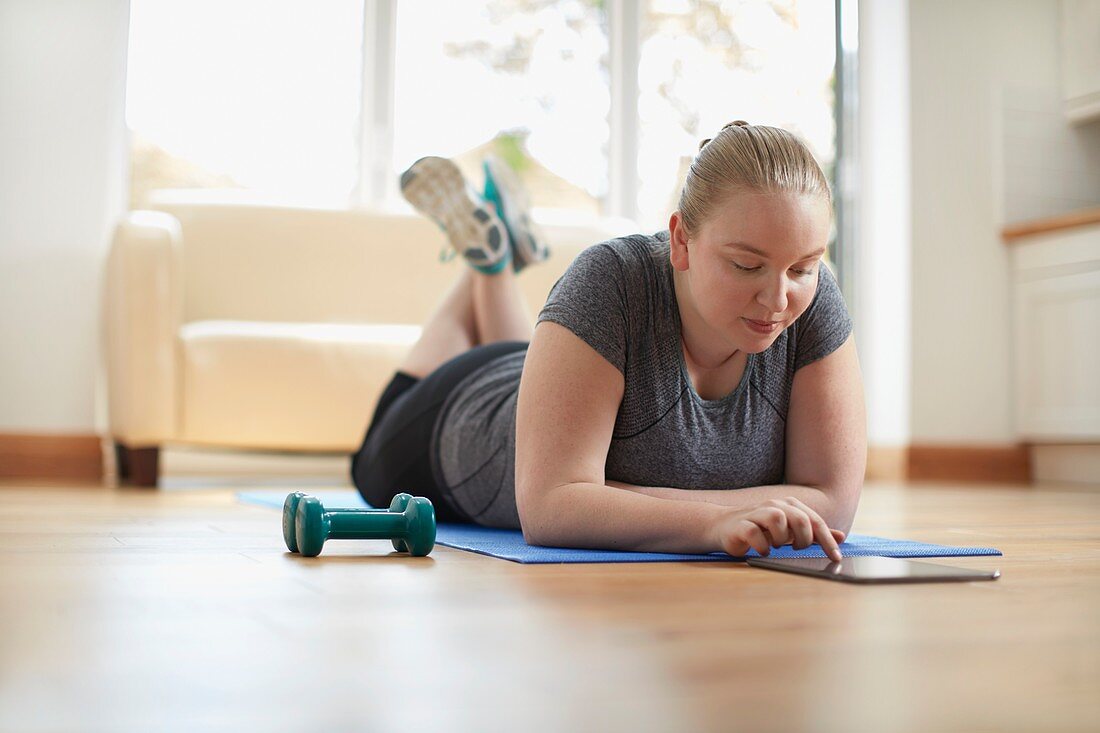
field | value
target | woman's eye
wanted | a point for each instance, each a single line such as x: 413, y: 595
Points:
x: 799, y: 272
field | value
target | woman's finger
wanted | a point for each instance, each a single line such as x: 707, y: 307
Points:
x: 774, y: 523
x: 754, y: 537
x: 821, y: 531
x: 801, y: 524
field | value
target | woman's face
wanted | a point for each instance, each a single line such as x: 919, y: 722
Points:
x: 752, y: 266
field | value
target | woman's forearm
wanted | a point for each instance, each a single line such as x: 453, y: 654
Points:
x: 838, y: 514
x: 602, y: 517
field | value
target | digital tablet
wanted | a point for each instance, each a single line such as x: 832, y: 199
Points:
x: 872, y: 569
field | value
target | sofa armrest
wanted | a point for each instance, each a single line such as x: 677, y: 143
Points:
x: 144, y: 308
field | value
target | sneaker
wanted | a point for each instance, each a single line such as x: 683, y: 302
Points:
x: 506, y: 193
x: 437, y: 189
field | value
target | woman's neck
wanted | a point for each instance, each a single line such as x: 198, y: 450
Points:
x: 702, y: 347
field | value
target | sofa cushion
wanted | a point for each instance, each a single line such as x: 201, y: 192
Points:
x: 298, y: 386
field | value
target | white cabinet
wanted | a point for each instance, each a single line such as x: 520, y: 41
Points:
x: 1056, y: 329
x: 1081, y: 59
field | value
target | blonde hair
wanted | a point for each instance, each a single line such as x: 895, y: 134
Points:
x: 752, y: 158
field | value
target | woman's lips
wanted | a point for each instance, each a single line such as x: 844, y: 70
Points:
x: 762, y: 326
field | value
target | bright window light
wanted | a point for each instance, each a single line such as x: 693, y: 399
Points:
x: 261, y: 95
x: 524, y: 79
x: 708, y: 62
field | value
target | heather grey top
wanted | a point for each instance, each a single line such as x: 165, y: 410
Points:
x: 618, y: 296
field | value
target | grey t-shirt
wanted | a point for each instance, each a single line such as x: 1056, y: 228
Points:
x: 618, y: 297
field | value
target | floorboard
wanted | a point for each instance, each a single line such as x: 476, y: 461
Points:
x: 138, y: 610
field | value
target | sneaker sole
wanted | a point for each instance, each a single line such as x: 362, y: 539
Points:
x: 509, y: 197
x: 437, y: 189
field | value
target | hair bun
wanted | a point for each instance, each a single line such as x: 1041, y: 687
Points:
x: 735, y: 123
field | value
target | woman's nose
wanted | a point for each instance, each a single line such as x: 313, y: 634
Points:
x: 774, y: 297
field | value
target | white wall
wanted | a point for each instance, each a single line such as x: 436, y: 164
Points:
x: 63, y: 158
x: 883, y: 214
x: 1047, y: 167
x: 963, y: 55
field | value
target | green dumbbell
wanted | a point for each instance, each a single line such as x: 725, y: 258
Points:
x: 290, y: 513
x: 411, y: 528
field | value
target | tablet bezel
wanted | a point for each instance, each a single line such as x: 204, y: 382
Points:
x: 869, y: 569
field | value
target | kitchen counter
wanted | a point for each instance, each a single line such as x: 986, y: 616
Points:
x: 1084, y: 217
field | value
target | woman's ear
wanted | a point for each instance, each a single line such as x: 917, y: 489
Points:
x: 678, y: 242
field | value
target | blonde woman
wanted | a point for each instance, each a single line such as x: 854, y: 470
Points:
x: 694, y: 390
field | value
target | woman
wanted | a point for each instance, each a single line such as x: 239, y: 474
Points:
x: 691, y: 391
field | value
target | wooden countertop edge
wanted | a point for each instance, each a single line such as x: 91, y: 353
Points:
x: 1051, y: 224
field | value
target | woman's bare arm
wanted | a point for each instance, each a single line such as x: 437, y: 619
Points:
x: 569, y: 397
x: 817, y: 499
x: 827, y: 431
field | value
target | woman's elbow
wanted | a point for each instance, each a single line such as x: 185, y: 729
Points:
x: 539, y: 517
x: 530, y: 516
x: 845, y: 505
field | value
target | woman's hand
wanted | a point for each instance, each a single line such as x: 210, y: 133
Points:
x: 774, y: 523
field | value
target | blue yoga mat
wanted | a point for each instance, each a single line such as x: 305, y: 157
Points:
x: 508, y: 544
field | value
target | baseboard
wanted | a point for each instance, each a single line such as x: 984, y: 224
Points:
x: 52, y: 457
x: 1076, y: 463
x: 80, y: 458
x: 887, y: 463
x: 970, y: 463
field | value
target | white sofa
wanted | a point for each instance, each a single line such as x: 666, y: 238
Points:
x: 273, y: 328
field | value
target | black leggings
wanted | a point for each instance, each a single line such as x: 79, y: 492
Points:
x: 396, y: 454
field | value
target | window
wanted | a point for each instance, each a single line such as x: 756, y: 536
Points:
x: 598, y: 104
x: 525, y: 79
x: 704, y: 63
x: 258, y: 95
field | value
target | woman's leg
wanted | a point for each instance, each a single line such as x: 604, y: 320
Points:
x: 485, y: 305
x: 499, y: 308
x: 483, y: 308
x: 450, y: 331
x: 479, y: 309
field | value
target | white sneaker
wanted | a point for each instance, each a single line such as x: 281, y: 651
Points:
x: 437, y: 189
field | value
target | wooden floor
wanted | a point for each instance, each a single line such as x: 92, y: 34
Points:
x: 136, y: 610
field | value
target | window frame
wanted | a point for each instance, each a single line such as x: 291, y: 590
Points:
x: 375, y: 187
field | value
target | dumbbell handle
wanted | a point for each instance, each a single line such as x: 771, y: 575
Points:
x: 365, y: 525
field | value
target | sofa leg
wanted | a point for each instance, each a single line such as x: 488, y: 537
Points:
x: 137, y: 466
